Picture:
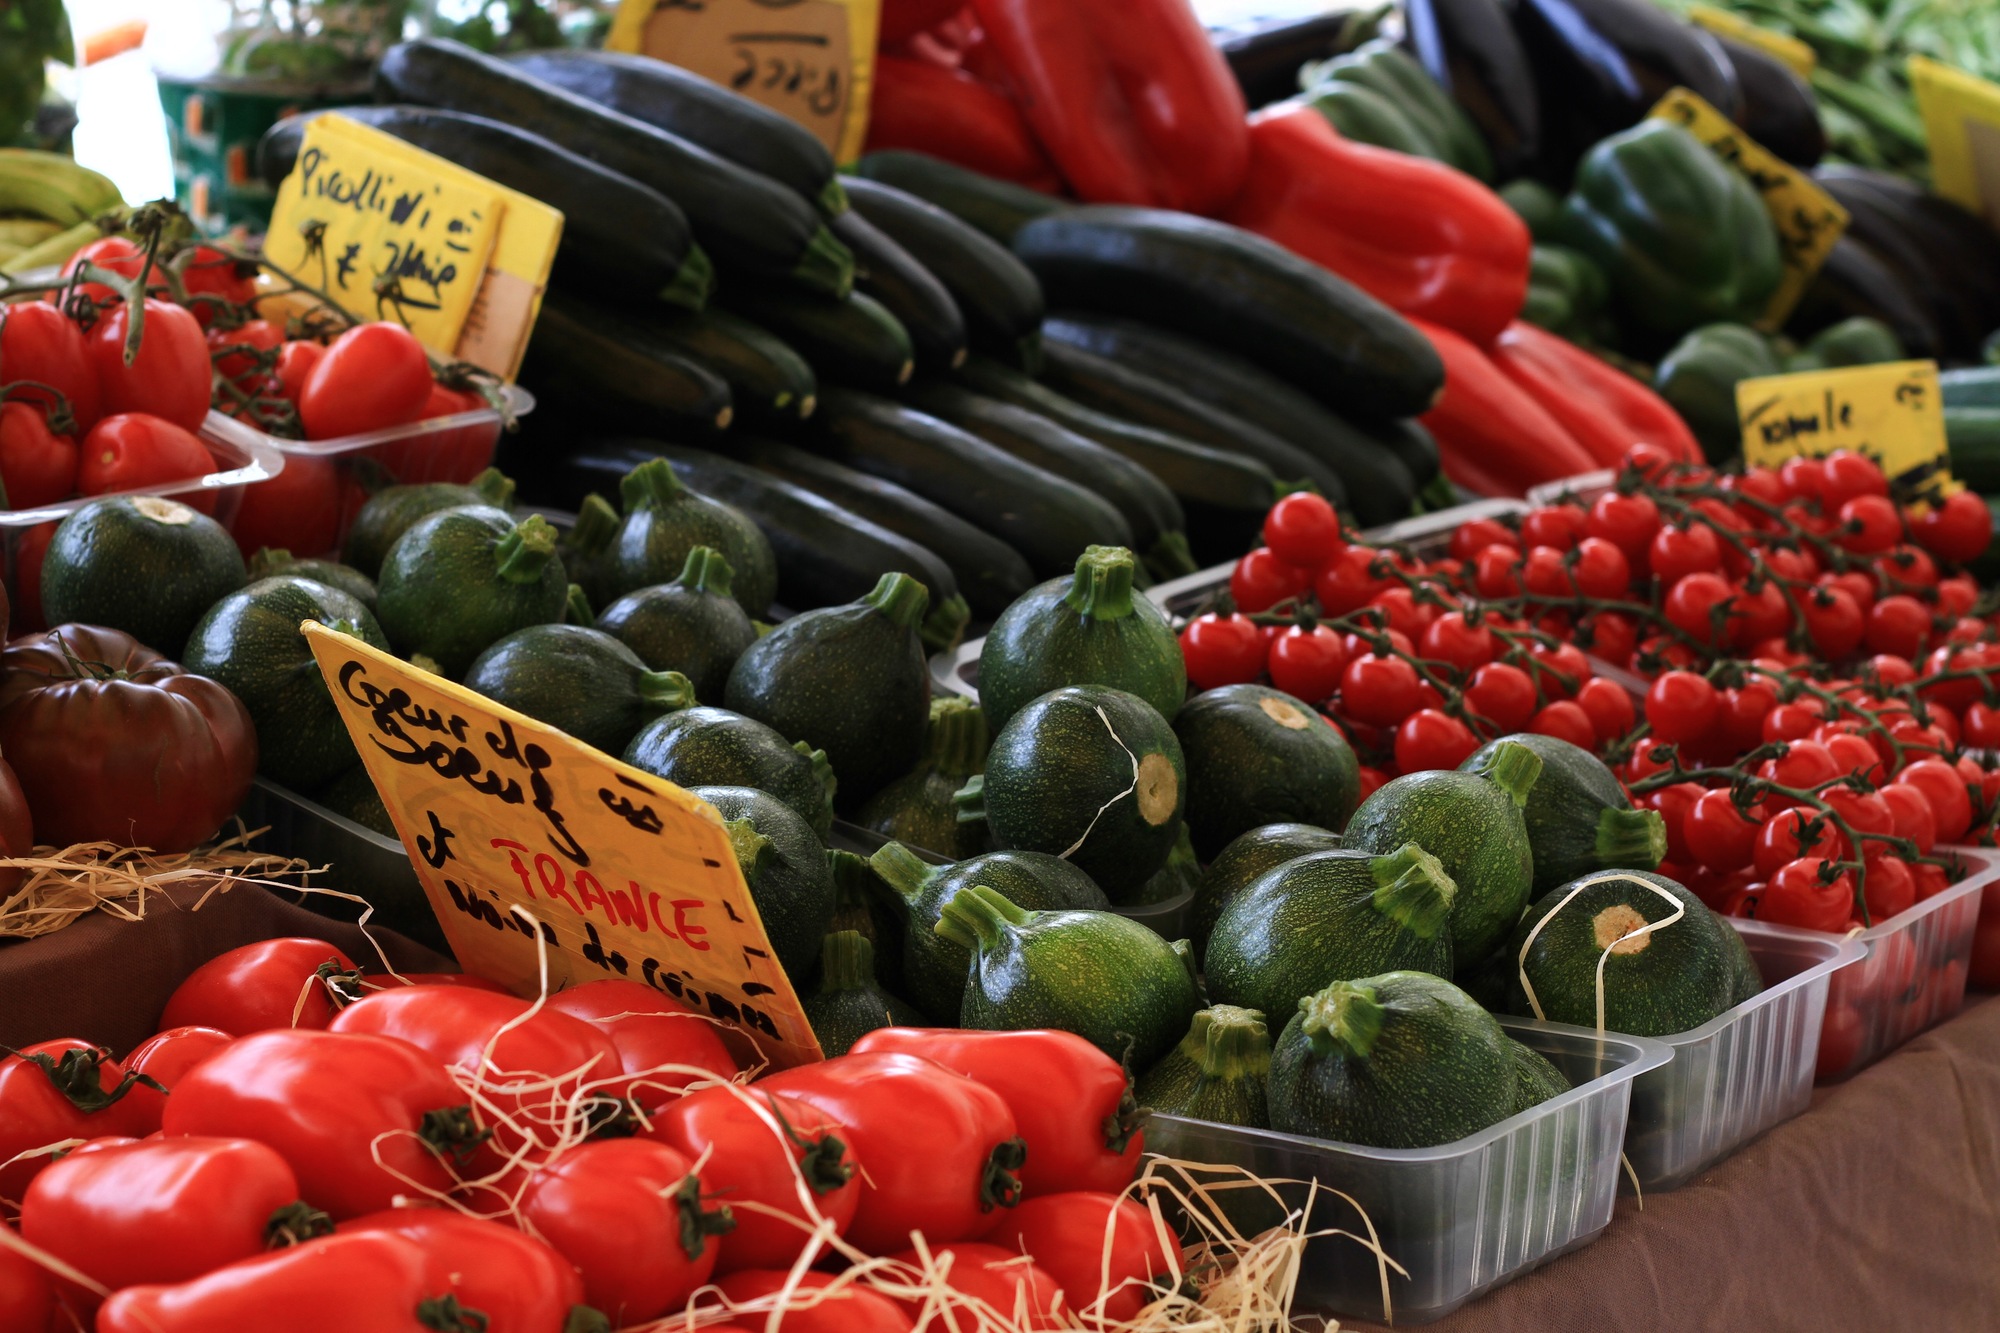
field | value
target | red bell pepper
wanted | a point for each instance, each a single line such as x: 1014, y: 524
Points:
x: 904, y: 19
x: 947, y: 113
x: 1417, y: 235
x: 1493, y: 437
x: 1132, y: 99
x: 1603, y: 408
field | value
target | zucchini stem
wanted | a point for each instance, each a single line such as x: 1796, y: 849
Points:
x: 1413, y: 889
x: 525, y: 552
x: 1344, y: 1019
x: 1102, y: 586
x: 977, y: 916
x: 901, y: 598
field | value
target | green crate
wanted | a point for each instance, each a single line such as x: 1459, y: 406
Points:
x: 213, y: 125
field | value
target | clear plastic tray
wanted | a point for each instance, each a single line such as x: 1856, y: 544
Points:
x: 1584, y: 487
x: 239, y: 463
x: 1913, y: 976
x: 1749, y: 1069
x: 957, y: 672
x: 1460, y: 1218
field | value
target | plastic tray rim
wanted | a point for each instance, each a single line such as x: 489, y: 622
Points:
x: 519, y: 403
x: 253, y: 459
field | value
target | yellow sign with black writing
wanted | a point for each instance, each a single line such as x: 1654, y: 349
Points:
x: 390, y: 231
x: 1790, y: 52
x: 810, y: 60
x: 1893, y: 413
x: 1962, y: 121
x: 1808, y: 219
x: 525, y: 838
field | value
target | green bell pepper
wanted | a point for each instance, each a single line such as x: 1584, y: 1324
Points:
x: 1683, y: 237
x: 1566, y: 291
x: 1538, y: 206
x: 1385, y: 68
x: 1698, y: 379
x: 1859, y: 341
x: 1366, y: 116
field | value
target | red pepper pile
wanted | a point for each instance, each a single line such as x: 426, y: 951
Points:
x: 1132, y: 103
x: 368, y: 1154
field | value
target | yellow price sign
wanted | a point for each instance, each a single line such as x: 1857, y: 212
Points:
x: 1808, y: 219
x: 1962, y: 121
x: 525, y: 839
x: 810, y: 60
x: 468, y: 259
x: 1790, y: 52
x: 1893, y: 413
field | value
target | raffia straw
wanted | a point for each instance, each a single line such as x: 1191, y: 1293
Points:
x: 67, y: 883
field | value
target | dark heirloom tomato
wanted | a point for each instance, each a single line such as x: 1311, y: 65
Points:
x: 164, y: 1210
x: 287, y: 983
x: 1072, y: 1103
x: 360, y: 1119
x: 60, y: 1090
x: 941, y: 1151
x: 17, y: 825
x: 337, y: 1284
x: 114, y: 743
x: 519, y: 1283
x: 757, y: 1146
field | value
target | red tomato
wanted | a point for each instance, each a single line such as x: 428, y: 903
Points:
x: 298, y: 510
x: 510, y: 1277
x: 1985, y: 973
x: 1546, y: 573
x: 1560, y: 671
x: 1854, y: 755
x: 1306, y: 663
x: 37, y: 466
x: 1944, y: 787
x: 1628, y: 522
x: 1496, y: 572
x: 1380, y: 691
x: 1905, y: 567
x: 1793, y: 833
x: 1613, y: 636
x: 1910, y: 808
x: 1106, y: 1252
x: 116, y: 253
x: 534, y: 1070
x: 1609, y: 707
x: 1261, y: 580
x: 757, y: 1147
x: 1431, y: 738
x: 1959, y: 530
x: 40, y: 343
x: 1869, y: 524
x: 211, y: 278
x: 1840, y: 1038
x: 239, y: 352
x: 27, y: 1297
x: 958, y: 1188
x: 295, y: 363
x: 372, y: 377
x: 1677, y: 552
x: 166, y: 1056
x: 1674, y: 802
x: 1072, y: 1104
x: 1834, y: 621
x: 1502, y: 694
x: 652, y: 1034
x: 1566, y: 721
x: 851, y: 1309
x: 271, y: 984
x: 1222, y: 650
x: 1701, y: 606
x: 1602, y: 569
x: 26, y: 596
x: 1681, y: 707
x: 1475, y: 535
x: 1898, y: 624
x: 1806, y: 765
x: 1718, y: 835
x: 361, y: 1119
x: 1350, y: 583
x: 336, y: 1284
x: 160, y: 1210
x: 1890, y: 888
x: 628, y: 1214
x: 170, y: 376
x: 1808, y: 894
x: 64, y: 1089
x: 1465, y: 644
x: 1847, y: 475
x: 1303, y: 530
x: 1009, y: 1285
x: 1560, y: 526
x: 132, y: 450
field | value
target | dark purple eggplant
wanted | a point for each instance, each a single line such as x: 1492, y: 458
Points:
x: 1951, y: 270
x: 1470, y: 48
x: 1265, y: 58
x: 1855, y: 280
x: 1778, y: 107
x: 1600, y: 65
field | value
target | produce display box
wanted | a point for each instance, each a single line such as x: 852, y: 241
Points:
x: 1914, y: 974
x: 1460, y: 1218
x: 1747, y: 1070
x: 1427, y: 535
x: 239, y: 463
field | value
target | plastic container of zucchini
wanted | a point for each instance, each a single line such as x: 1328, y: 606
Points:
x: 1460, y: 1218
x: 1747, y: 1070
x: 957, y: 672
x: 1913, y: 976
x: 238, y: 463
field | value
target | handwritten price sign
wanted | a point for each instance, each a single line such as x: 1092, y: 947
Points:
x: 525, y: 838
x: 1893, y: 413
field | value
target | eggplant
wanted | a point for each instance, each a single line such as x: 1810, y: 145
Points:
x: 1471, y: 49
x: 1855, y: 280
x: 1600, y: 65
x: 1778, y: 107
x: 1266, y: 58
x: 1950, y: 274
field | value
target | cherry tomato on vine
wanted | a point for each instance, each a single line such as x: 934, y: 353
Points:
x: 1475, y: 535
x: 1559, y: 669
x: 1222, y: 650
x: 1430, y: 738
x: 1890, y: 887
x: 1609, y: 707
x: 116, y: 253
x: 1465, y: 644
x: 1717, y: 833
x: 371, y: 377
x: 1560, y: 526
x: 1303, y: 530
x: 1503, y: 694
x: 1603, y: 569
x: 1307, y: 663
x: 1846, y: 475
x: 1834, y: 621
x: 1944, y: 786
x: 1911, y: 814
x: 207, y: 272
x: 1958, y: 530
x: 1793, y: 833
x: 1899, y: 624
x: 1566, y: 721
x: 238, y: 352
x: 1403, y: 613
x: 1614, y: 636
x: 1807, y: 893
x: 1380, y: 691
x: 1348, y: 583
x: 1627, y: 522
x: 1869, y: 524
x: 1677, y: 552
x: 1905, y: 566
x: 1803, y: 478
x: 1701, y: 606
x: 169, y: 377
x: 1674, y: 802
x: 1496, y: 572
x: 1681, y: 707
x: 295, y: 363
x: 1261, y: 580
x: 1763, y: 613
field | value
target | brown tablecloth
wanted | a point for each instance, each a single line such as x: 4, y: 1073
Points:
x: 106, y: 980
x: 1878, y: 1209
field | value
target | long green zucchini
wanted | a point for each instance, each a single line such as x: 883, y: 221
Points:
x: 701, y: 111
x: 618, y: 236
x: 998, y: 208
x: 856, y: 340
x: 586, y: 354
x: 744, y: 221
x: 907, y: 290
x: 771, y: 383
